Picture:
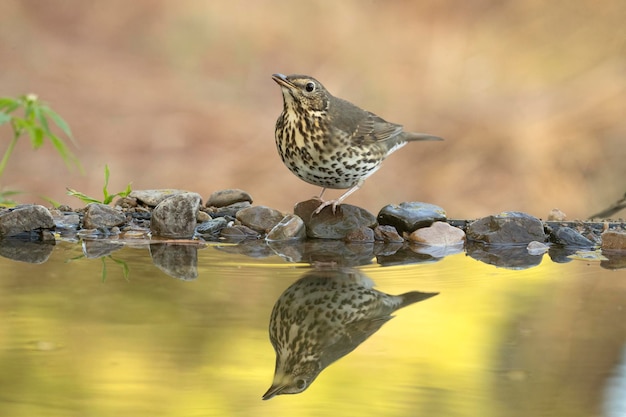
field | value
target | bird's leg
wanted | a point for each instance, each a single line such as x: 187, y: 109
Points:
x: 335, y: 203
x: 320, y: 196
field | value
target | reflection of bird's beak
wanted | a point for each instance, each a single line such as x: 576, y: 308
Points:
x: 274, y: 390
x: 283, y: 81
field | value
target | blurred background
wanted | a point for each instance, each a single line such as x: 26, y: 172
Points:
x: 530, y: 96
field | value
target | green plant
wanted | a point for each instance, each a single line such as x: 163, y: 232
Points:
x: 108, y: 198
x: 35, y: 123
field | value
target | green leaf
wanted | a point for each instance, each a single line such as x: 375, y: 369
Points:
x: 66, y: 154
x: 9, y: 104
x: 82, y: 197
x: 36, y: 135
x: 43, y: 122
x: 58, y: 120
x: 106, y: 184
x: 5, y: 118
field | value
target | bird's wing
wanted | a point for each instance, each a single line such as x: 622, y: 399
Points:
x: 373, y: 129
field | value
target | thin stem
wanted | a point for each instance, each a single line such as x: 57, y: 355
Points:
x: 8, y: 152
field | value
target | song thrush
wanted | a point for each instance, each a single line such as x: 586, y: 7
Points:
x: 330, y: 142
x: 322, y: 317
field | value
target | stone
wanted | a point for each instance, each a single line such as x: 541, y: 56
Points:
x: 537, y: 248
x: 25, y: 218
x: 438, y: 234
x: 202, y: 217
x: 506, y: 228
x: 153, y: 198
x: 65, y: 221
x: 175, y: 217
x: 410, y: 216
x: 388, y: 234
x: 290, y: 227
x: 228, y: 211
x: 614, y: 240
x: 101, y: 216
x: 239, y: 232
x: 556, y: 215
x: 212, y: 227
x: 363, y: 234
x: 327, y: 225
x: 225, y: 198
x: 570, y: 237
x: 260, y: 218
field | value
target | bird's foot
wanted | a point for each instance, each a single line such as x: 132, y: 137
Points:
x: 332, y: 203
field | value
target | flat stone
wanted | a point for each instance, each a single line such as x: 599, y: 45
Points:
x: 614, y: 240
x: 25, y: 219
x: 260, y: 218
x: 175, y: 217
x: 438, y: 234
x: 329, y: 225
x: 570, y: 237
x: 152, y: 198
x: 212, y: 227
x: 101, y: 216
x: 289, y: 228
x: 225, y: 198
x: 363, y: 234
x: 509, y: 227
x: 410, y: 216
x: 230, y: 210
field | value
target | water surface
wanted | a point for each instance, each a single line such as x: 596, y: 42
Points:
x: 185, y: 333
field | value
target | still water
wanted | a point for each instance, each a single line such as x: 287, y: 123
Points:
x: 183, y: 330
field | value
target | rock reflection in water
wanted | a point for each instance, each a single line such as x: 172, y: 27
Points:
x: 322, y: 317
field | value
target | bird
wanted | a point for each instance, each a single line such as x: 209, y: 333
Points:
x: 322, y: 317
x: 330, y: 142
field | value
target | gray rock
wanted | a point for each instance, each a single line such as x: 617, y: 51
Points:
x: 229, y: 211
x: 260, y: 218
x: 26, y: 218
x: 506, y: 228
x: 361, y: 235
x: 570, y: 237
x: 327, y: 225
x: 290, y: 227
x: 101, y: 216
x: 152, y: 198
x: 225, y: 198
x: 387, y: 234
x: 410, y: 216
x: 65, y: 220
x: 175, y: 217
x: 239, y: 232
x: 212, y: 227
x: 614, y: 240
x: 439, y: 234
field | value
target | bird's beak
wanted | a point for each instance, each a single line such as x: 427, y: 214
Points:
x: 283, y: 81
x: 274, y: 390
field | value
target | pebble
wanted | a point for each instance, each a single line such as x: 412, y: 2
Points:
x: 537, y: 248
x: 570, y: 237
x: 556, y: 215
x: 153, y: 198
x: 260, y: 218
x: 386, y: 233
x: 175, y: 217
x: 363, y: 234
x: 614, y: 240
x: 225, y: 198
x: 101, y: 216
x: 327, y: 225
x: 26, y: 218
x: 509, y: 227
x: 212, y: 227
x: 439, y: 234
x: 410, y: 216
x: 290, y: 227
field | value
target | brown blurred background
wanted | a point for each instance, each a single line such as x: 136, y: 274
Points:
x: 530, y: 96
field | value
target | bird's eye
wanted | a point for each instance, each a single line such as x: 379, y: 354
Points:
x: 301, y: 384
x: 310, y: 86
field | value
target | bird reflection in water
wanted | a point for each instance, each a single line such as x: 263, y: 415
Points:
x: 322, y: 317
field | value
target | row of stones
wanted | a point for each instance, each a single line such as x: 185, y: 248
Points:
x: 229, y: 214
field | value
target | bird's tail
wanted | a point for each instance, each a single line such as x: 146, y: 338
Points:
x: 410, y: 136
x: 409, y: 298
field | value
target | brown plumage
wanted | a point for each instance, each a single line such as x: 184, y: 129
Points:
x: 322, y: 317
x: 330, y: 142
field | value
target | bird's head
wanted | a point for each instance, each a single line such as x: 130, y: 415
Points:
x: 302, y: 91
x: 293, y: 382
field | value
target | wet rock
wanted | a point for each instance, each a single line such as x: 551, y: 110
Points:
x: 202, y: 217
x: 327, y: 225
x: 65, y: 221
x: 175, y: 217
x: 570, y: 237
x: 410, y: 216
x: 260, y: 218
x: 239, y: 232
x: 386, y: 233
x: 363, y: 234
x: 507, y: 228
x: 153, y: 198
x: 126, y: 202
x: 438, y: 234
x: 178, y: 261
x: 556, y: 215
x: 537, y: 248
x: 228, y: 211
x: 212, y: 227
x: 101, y: 216
x: 614, y: 240
x: 225, y: 198
x: 290, y: 227
x: 26, y: 218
